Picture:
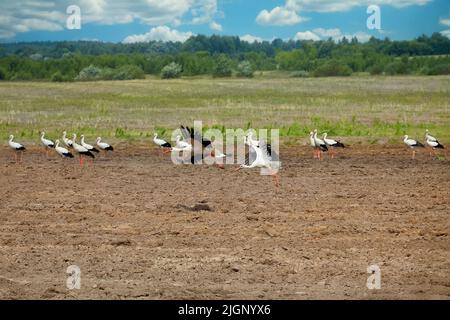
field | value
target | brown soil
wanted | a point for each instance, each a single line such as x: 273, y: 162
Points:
x: 140, y: 227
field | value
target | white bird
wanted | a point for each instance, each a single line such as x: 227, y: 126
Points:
x: 263, y: 160
x: 162, y: 143
x: 63, y: 152
x: 103, y: 145
x: 66, y: 141
x: 429, y: 137
x: 432, y: 142
x: 332, y: 143
x: 313, y: 144
x: 17, y: 147
x: 87, y: 146
x: 250, y: 141
x: 412, y: 144
x: 181, y: 144
x: 46, y: 143
x: 82, y: 151
x: 434, y: 145
x: 320, y: 145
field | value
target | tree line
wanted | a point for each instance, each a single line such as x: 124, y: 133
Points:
x: 221, y: 56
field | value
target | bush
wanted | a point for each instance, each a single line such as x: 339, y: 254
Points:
x: 58, y: 77
x: 299, y: 74
x: 376, y: 69
x: 440, y: 69
x: 2, y: 74
x: 171, y: 71
x: 333, y: 69
x: 396, y: 67
x: 245, y: 69
x: 223, y: 67
x: 128, y: 72
x: 22, y: 75
x: 89, y: 73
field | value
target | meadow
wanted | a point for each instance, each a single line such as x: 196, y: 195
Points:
x: 364, y: 109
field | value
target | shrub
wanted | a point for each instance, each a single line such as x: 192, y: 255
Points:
x: 89, y: 73
x: 299, y: 74
x: 222, y: 67
x: 171, y: 71
x: 396, y: 67
x: 333, y: 69
x: 376, y: 69
x: 245, y: 69
x: 22, y: 75
x: 128, y: 72
x: 2, y: 74
x: 440, y: 69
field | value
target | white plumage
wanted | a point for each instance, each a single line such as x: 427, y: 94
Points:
x: 412, y: 144
x: 17, y: 147
x: 86, y: 145
x: 66, y: 141
x: 103, y: 145
x: 46, y: 142
x: 63, y: 152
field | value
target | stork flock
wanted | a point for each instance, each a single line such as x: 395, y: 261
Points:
x: 259, y: 153
x: 82, y: 150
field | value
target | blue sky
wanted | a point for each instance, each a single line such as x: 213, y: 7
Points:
x: 253, y: 20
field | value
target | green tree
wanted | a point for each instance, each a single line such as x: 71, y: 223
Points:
x: 171, y: 71
x: 222, y: 67
x: 245, y: 69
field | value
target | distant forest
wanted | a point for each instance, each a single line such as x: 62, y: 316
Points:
x: 222, y: 56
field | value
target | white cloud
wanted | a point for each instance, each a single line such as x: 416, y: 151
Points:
x: 20, y: 15
x: 336, y: 34
x: 307, y: 35
x: 445, y: 22
x: 445, y: 33
x: 279, y: 16
x: 160, y: 33
x: 215, y: 26
x: 251, y: 39
x: 345, y: 5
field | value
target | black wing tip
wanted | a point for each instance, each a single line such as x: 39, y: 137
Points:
x: 110, y: 148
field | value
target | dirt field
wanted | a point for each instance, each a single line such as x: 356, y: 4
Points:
x: 133, y: 224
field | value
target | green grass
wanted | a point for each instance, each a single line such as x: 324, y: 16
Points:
x: 371, y: 109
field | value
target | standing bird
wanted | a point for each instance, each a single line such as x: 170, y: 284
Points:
x: 162, y: 143
x: 413, y: 144
x: 63, y: 152
x: 66, y: 141
x: 313, y: 144
x: 434, y: 145
x: 332, y: 143
x: 432, y: 142
x: 17, y: 147
x: 103, y: 145
x: 320, y: 145
x: 82, y: 151
x: 87, y: 146
x: 46, y: 143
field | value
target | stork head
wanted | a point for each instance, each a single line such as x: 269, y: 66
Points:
x: 405, y: 137
x: 155, y: 134
x: 11, y: 137
x: 57, y: 142
x: 325, y: 135
x: 42, y: 133
x: 99, y: 139
x: 311, y: 134
x: 74, y: 136
x: 64, y: 133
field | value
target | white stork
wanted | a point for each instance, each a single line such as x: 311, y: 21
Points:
x: 87, y: 146
x: 162, y: 143
x: 46, y: 143
x: 413, y: 144
x: 432, y: 142
x: 63, y: 152
x: 332, y: 143
x: 320, y: 145
x: 66, y: 141
x: 262, y: 160
x: 103, y: 145
x: 82, y: 151
x: 17, y: 147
